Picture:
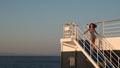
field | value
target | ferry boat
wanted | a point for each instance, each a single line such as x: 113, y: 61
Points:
x: 75, y: 46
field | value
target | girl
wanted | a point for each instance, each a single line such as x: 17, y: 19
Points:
x: 92, y: 32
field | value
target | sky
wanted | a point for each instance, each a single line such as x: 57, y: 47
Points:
x: 34, y: 27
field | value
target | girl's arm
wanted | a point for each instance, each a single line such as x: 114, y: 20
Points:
x: 86, y: 31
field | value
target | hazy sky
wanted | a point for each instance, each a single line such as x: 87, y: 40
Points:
x: 34, y: 27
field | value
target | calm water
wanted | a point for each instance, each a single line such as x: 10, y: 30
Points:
x: 29, y: 62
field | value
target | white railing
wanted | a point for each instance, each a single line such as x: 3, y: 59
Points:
x: 70, y: 30
x: 109, y: 28
x: 106, y: 61
x: 109, y: 50
x: 110, y: 57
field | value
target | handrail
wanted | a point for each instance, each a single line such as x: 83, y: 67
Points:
x: 95, y: 52
x: 111, y: 51
x: 110, y: 47
x: 106, y: 56
x: 108, y: 32
x: 87, y: 55
x: 106, y: 25
x: 112, y: 35
x: 89, y: 49
x: 112, y: 31
x: 112, y: 24
x: 107, y: 21
x: 111, y: 28
x: 98, y: 49
x: 105, y: 33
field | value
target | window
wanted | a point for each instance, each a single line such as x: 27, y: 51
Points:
x: 72, y: 61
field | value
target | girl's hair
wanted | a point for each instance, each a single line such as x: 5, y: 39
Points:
x: 94, y: 25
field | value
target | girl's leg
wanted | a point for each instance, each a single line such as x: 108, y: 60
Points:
x: 92, y: 46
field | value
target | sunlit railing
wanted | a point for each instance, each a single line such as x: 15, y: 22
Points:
x: 111, y: 59
x: 109, y: 53
x: 98, y: 51
x: 109, y: 28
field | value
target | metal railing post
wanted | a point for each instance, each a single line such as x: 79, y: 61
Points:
x: 110, y: 56
x: 118, y: 62
x: 97, y: 57
x: 103, y: 35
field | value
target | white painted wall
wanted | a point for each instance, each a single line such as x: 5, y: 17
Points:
x: 115, y: 42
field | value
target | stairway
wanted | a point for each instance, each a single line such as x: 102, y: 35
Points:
x: 100, y: 58
x: 97, y: 57
x: 103, y: 59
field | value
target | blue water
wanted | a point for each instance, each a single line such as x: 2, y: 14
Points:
x: 29, y: 62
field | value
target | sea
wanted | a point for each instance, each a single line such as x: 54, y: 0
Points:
x: 29, y: 61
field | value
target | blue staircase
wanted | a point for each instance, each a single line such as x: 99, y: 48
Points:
x: 96, y: 56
